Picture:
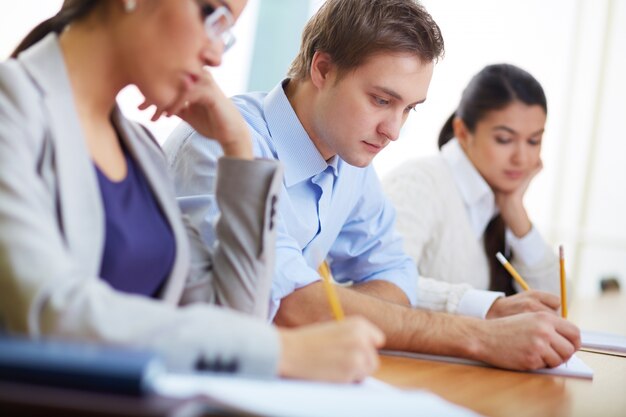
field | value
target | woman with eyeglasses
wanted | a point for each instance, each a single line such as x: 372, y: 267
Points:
x: 458, y: 209
x: 92, y: 244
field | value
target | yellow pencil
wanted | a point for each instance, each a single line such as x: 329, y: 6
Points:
x: 333, y: 299
x: 507, y: 265
x: 563, y: 283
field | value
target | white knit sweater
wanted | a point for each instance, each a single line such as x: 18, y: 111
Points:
x: 434, y: 221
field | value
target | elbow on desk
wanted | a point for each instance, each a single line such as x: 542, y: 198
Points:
x: 303, y: 306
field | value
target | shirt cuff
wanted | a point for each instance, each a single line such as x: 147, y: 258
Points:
x: 476, y: 303
x: 529, y: 249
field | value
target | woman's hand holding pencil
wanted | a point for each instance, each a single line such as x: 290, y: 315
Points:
x: 526, y: 301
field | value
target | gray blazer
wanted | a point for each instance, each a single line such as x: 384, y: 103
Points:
x: 52, y: 236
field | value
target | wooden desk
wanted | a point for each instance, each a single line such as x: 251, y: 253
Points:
x: 488, y: 391
x: 495, y: 392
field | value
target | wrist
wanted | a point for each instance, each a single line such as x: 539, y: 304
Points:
x: 465, y: 340
x: 238, y: 149
x: 494, y: 310
x: 516, y: 219
x: 286, y: 361
x: 520, y: 228
x: 476, y: 344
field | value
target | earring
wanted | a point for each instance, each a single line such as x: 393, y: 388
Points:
x: 130, y: 6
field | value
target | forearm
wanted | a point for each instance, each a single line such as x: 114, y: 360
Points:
x: 444, y: 334
x: 435, y: 295
x: 524, y: 341
x: 404, y: 328
x: 383, y: 290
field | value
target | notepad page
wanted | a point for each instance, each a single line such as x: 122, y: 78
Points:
x: 289, y: 398
x: 606, y: 341
x: 575, y: 367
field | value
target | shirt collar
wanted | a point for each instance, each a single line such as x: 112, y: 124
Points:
x: 475, y: 192
x: 294, y: 147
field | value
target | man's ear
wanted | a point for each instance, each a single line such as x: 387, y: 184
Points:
x: 322, y: 69
x: 461, y: 132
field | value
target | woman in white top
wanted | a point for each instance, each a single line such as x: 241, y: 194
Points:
x: 72, y: 167
x: 457, y: 209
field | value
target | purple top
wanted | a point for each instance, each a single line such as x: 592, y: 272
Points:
x: 139, y: 247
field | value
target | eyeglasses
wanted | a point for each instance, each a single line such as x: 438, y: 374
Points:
x: 217, y: 23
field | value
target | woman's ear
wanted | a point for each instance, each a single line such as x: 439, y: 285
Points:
x: 321, y: 69
x: 461, y: 132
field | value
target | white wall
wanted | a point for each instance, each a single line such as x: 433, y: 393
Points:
x: 594, y: 199
x: 17, y: 17
x: 577, y: 50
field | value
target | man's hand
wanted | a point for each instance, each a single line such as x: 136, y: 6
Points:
x: 524, y: 302
x: 527, y: 341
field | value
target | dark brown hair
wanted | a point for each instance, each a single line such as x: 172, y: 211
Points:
x: 494, y: 88
x: 70, y: 11
x: 351, y: 31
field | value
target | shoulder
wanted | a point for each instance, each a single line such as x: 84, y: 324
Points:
x: 420, y: 186
x: 250, y: 106
x: 21, y: 104
x: 425, y: 174
x: 19, y: 94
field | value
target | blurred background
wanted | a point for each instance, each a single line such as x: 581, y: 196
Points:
x: 575, y: 48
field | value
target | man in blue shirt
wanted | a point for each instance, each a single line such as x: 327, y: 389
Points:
x: 363, y: 66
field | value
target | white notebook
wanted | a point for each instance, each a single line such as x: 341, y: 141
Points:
x: 609, y: 342
x: 574, y: 367
x: 289, y: 398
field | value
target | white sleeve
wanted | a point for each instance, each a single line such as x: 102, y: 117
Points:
x: 437, y: 295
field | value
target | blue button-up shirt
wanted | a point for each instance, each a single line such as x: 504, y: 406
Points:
x: 328, y: 210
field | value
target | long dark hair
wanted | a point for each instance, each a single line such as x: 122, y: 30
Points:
x: 494, y: 88
x: 70, y: 11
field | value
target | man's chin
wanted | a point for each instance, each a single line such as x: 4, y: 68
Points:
x: 359, y: 162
